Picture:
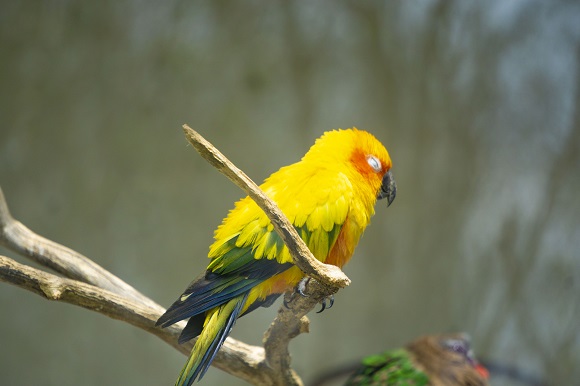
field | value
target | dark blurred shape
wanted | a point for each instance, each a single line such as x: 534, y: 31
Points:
x: 436, y: 360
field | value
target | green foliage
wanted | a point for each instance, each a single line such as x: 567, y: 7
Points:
x: 392, y: 368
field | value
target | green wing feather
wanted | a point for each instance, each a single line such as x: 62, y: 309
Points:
x: 317, y: 212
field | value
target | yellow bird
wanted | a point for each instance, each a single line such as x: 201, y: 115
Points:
x: 329, y: 197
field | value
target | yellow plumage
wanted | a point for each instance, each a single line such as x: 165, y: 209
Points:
x: 328, y: 196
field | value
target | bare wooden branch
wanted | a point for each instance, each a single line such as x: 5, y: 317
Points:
x: 290, y: 322
x: 235, y: 357
x: 53, y: 287
x: 90, y: 286
x: 327, y: 274
x: 17, y: 237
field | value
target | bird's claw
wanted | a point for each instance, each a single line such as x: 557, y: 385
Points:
x: 324, y: 305
x: 300, y: 288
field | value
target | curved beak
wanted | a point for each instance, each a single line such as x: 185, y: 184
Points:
x: 388, y: 188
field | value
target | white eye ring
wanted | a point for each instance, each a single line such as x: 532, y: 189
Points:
x: 375, y: 163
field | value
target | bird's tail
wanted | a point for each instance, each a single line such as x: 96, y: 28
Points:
x: 217, y: 326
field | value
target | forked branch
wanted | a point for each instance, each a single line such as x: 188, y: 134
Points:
x: 89, y: 285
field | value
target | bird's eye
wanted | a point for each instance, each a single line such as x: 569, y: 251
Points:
x: 375, y: 163
x: 457, y: 345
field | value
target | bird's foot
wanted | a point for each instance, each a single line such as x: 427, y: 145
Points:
x: 326, y: 306
x: 300, y: 288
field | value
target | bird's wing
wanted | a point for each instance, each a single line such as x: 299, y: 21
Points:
x: 248, y: 250
x: 316, y: 206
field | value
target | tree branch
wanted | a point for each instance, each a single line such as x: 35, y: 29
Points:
x: 17, y: 237
x: 237, y: 358
x: 88, y: 285
x: 290, y: 322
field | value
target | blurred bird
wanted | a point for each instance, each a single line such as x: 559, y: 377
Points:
x: 328, y: 196
x: 435, y: 360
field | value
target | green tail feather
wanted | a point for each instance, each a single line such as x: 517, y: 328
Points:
x: 218, y: 326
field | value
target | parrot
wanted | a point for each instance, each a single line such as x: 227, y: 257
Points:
x: 433, y: 360
x: 328, y: 196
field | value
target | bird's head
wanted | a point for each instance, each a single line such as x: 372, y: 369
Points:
x: 449, y: 360
x: 359, y: 154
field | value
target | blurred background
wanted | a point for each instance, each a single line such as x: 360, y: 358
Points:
x: 477, y: 102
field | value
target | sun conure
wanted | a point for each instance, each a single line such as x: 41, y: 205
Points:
x: 435, y: 360
x: 329, y: 197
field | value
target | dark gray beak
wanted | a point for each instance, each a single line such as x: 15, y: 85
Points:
x: 388, y: 188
